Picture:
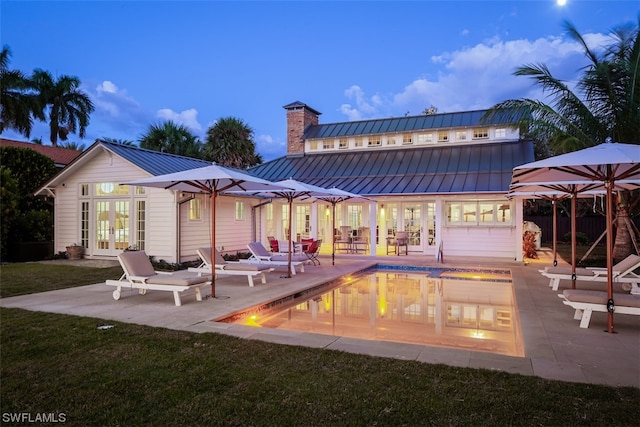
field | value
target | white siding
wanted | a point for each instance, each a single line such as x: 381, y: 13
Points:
x: 105, y: 167
x: 479, y: 241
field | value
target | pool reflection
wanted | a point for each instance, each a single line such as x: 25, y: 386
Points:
x: 472, y: 314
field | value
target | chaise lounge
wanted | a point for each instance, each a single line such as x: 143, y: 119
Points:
x: 622, y: 273
x: 221, y: 267
x: 585, y: 302
x: 260, y: 255
x: 139, y: 274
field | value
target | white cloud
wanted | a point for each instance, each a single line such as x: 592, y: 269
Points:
x: 476, y: 77
x: 188, y: 118
x: 270, y: 147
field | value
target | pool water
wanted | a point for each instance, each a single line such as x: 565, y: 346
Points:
x: 472, y: 309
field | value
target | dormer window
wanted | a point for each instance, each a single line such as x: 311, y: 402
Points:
x: 443, y: 136
x: 481, y: 133
x: 375, y: 141
x: 406, y: 139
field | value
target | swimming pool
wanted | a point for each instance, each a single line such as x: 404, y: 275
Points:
x: 456, y: 308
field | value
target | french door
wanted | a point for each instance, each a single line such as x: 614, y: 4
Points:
x: 112, y: 225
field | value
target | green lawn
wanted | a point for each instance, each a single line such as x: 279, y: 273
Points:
x: 137, y: 375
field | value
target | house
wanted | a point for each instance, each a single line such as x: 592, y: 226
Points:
x: 441, y: 178
x: 61, y: 156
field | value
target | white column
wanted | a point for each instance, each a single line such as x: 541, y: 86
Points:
x: 372, y: 228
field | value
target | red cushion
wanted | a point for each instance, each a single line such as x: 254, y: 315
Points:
x: 274, y: 245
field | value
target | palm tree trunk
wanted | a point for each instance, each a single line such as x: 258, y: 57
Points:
x: 622, y: 246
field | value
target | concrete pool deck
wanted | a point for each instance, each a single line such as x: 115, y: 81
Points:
x: 555, y: 347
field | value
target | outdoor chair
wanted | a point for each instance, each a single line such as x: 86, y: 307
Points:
x: 585, y: 302
x: 313, y: 251
x: 139, y: 274
x: 221, y: 267
x: 260, y: 255
x: 395, y: 243
x: 344, y: 241
x: 361, y: 241
x: 622, y: 273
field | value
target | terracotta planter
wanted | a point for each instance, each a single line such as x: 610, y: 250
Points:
x: 75, y: 252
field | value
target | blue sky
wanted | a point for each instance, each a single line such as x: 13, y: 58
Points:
x: 193, y: 62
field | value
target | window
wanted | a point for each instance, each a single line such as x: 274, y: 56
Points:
x: 313, y: 145
x: 481, y: 213
x: 141, y: 228
x: 239, y: 211
x: 375, y: 141
x: 443, y: 136
x: 391, y: 140
x: 84, y: 224
x: 343, y: 143
x: 461, y: 135
x: 195, y: 209
x: 359, y: 142
x: 425, y: 138
x: 406, y: 139
x: 328, y: 144
x: 84, y: 190
x: 501, y: 133
x: 354, y: 216
x: 110, y: 189
x: 481, y: 133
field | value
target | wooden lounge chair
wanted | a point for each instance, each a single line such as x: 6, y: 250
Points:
x: 401, y: 239
x: 260, y: 255
x: 622, y: 273
x: 585, y: 302
x: 139, y: 274
x: 221, y: 267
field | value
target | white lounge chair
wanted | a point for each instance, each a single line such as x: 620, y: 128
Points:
x: 585, y: 302
x: 139, y: 274
x: 225, y: 268
x: 260, y: 255
x: 622, y: 273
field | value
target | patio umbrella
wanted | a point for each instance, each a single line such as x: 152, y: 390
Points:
x: 609, y: 166
x: 334, y: 197
x: 210, y: 180
x: 290, y: 189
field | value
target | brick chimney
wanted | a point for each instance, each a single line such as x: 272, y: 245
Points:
x: 299, y: 117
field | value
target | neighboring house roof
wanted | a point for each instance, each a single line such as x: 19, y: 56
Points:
x: 403, y: 124
x: 454, y: 169
x: 60, y: 156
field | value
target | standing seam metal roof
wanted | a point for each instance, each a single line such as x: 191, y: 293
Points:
x: 482, y: 168
x: 404, y: 124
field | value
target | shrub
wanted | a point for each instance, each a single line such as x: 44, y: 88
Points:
x: 581, y: 238
x: 529, y: 245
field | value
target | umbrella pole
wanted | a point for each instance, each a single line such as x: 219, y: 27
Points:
x: 573, y: 239
x: 333, y: 235
x: 290, y: 237
x: 213, y: 242
x: 610, y: 303
x: 555, y: 231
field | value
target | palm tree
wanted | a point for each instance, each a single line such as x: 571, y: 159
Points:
x: 68, y: 107
x: 606, y: 103
x: 17, y: 104
x: 230, y: 143
x: 170, y: 137
x: 118, y: 141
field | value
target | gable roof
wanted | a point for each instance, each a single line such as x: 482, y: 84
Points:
x: 473, y: 168
x: 154, y: 162
x: 404, y: 124
x: 60, y: 156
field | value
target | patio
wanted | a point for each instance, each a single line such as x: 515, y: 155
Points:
x: 555, y: 347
